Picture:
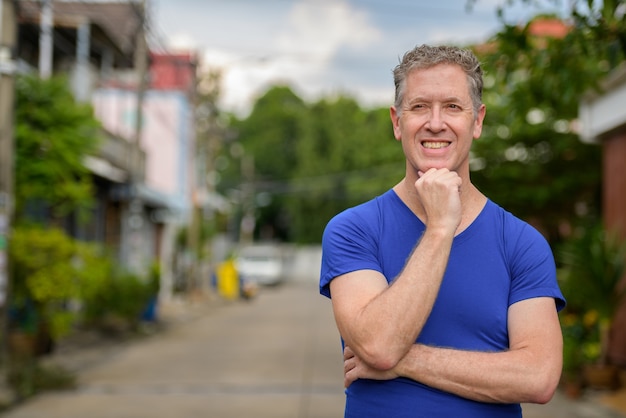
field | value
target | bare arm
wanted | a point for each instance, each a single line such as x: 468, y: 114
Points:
x: 380, y: 322
x: 528, y: 372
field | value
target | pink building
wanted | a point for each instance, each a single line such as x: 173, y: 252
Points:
x: 167, y: 140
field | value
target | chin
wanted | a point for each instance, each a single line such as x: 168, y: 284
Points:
x: 437, y: 166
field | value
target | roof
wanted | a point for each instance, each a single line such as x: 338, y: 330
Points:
x: 120, y: 20
x: 603, y: 112
x: 548, y: 27
x: 539, y: 29
x: 173, y: 71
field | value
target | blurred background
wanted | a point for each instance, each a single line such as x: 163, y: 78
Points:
x: 158, y: 150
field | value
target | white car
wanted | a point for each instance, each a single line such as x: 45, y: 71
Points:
x: 261, y: 264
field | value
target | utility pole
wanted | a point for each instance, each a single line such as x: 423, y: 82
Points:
x: 8, y: 31
x: 135, y: 208
x: 45, y: 39
x: 248, y: 221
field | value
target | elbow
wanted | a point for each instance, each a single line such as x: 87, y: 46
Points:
x: 543, y: 395
x: 543, y: 388
x: 380, y: 358
x: 383, y: 363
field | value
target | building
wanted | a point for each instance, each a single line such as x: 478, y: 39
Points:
x: 167, y: 140
x: 145, y: 169
x: 603, y: 120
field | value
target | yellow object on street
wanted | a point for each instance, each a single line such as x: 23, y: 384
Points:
x: 228, y: 280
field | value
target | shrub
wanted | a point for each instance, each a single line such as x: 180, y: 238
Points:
x: 44, y: 277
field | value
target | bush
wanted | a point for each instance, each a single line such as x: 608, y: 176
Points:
x: 28, y: 378
x: 593, y: 265
x: 123, y: 299
x: 44, y: 278
x: 53, y: 272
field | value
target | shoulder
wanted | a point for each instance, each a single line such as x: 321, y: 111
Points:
x: 520, y: 242
x: 530, y: 260
x: 512, y: 227
x: 525, y: 247
x: 363, y: 217
x: 350, y: 241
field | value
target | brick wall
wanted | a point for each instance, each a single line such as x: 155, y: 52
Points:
x: 614, y: 208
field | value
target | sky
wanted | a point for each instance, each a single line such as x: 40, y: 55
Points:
x: 319, y: 48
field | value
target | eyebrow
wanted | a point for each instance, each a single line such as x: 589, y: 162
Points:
x: 449, y: 99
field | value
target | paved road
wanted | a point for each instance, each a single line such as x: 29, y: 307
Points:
x: 277, y: 356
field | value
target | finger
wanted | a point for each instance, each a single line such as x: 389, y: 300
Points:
x: 348, y: 378
x: 347, y: 366
x: 348, y: 353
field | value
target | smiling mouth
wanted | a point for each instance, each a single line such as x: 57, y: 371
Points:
x: 435, y: 144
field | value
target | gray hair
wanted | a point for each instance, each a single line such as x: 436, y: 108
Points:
x: 425, y: 56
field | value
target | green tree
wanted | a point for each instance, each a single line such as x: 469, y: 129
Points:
x: 347, y: 156
x: 263, y: 158
x: 327, y: 156
x: 53, y: 134
x: 602, y: 22
x: 530, y: 158
x: 312, y: 161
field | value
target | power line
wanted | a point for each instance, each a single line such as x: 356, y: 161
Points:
x: 304, y: 185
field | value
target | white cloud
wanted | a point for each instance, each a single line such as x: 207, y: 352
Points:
x: 318, y: 47
x: 182, y: 41
x: 321, y: 28
x: 302, y: 52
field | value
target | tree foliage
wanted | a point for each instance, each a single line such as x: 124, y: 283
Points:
x: 530, y: 157
x: 603, y: 22
x: 314, y: 160
x: 53, y: 134
x: 348, y: 155
x: 311, y: 160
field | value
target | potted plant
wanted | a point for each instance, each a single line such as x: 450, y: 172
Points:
x: 573, y: 338
x: 592, y: 271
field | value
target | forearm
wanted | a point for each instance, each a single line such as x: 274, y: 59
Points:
x: 513, y: 376
x: 384, y: 330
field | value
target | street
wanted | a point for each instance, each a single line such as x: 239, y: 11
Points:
x: 275, y: 356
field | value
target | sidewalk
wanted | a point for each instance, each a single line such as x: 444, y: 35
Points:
x: 88, y: 349
x: 230, y: 360
x: 591, y: 405
x: 616, y: 401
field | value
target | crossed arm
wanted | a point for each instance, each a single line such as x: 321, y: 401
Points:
x: 380, y: 322
x: 528, y: 372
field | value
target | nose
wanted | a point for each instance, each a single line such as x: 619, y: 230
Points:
x: 436, y: 120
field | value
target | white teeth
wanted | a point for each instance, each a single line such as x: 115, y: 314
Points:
x: 435, y: 145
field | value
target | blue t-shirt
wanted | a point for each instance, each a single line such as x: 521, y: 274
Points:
x: 497, y: 261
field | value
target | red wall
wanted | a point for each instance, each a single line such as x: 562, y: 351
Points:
x: 614, y: 208
x: 173, y: 71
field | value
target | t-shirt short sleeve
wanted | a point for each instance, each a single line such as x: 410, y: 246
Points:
x: 532, y: 267
x: 348, y: 245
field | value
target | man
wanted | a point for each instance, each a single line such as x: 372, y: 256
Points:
x: 446, y: 303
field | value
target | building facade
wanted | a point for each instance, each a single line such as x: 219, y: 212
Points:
x: 144, y: 169
x: 603, y: 120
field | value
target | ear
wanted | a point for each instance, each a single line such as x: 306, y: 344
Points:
x: 395, y: 121
x: 478, y: 123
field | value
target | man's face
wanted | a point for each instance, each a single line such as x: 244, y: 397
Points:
x: 436, y: 123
